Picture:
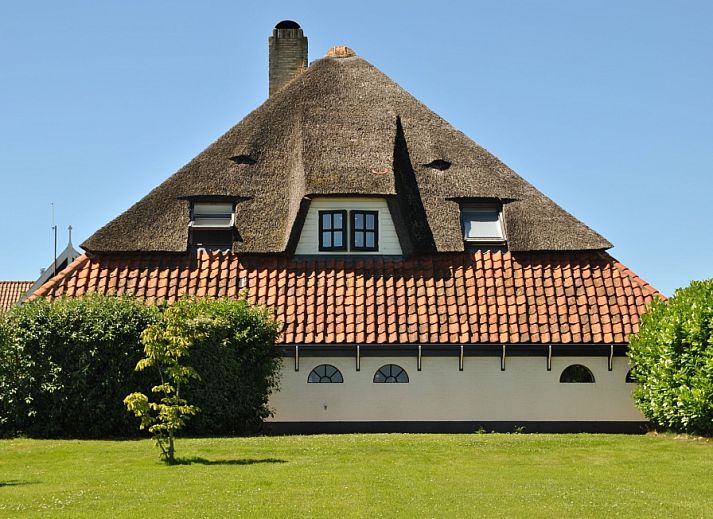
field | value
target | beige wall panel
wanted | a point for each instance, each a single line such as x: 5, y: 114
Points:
x: 388, y: 240
x: 524, y: 391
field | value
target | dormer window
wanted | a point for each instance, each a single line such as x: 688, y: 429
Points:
x: 212, y: 225
x: 482, y: 224
x: 348, y: 225
x: 365, y: 230
x: 332, y: 231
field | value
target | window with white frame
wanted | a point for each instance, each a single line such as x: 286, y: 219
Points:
x: 482, y: 223
x: 212, y: 225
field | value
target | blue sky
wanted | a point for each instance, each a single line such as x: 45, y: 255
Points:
x: 606, y: 107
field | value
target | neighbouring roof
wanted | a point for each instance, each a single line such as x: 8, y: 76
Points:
x: 67, y: 256
x: 11, y: 292
x: 485, y: 297
x: 343, y: 127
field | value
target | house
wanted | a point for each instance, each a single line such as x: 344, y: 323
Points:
x: 422, y: 284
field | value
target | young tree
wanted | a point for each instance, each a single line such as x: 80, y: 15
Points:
x: 673, y: 360
x: 167, y: 344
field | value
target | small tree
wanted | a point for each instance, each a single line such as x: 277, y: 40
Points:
x: 673, y: 360
x: 166, y: 344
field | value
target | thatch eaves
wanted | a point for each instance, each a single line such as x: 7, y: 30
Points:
x: 343, y: 127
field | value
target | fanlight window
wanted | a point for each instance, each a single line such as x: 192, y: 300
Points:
x: 630, y: 379
x: 391, y: 373
x: 482, y: 224
x: 325, y: 374
x: 577, y: 374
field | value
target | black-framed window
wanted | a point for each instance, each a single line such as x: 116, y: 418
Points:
x: 577, y: 374
x: 391, y: 373
x: 325, y: 374
x: 364, y: 230
x: 332, y: 230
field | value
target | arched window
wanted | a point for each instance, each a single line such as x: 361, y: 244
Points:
x: 630, y: 378
x: 325, y: 374
x: 577, y: 374
x: 391, y: 373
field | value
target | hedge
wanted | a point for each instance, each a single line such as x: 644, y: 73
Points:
x: 673, y: 360
x: 66, y: 366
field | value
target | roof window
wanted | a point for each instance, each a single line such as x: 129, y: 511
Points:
x: 482, y: 224
x: 212, y: 215
x: 212, y: 225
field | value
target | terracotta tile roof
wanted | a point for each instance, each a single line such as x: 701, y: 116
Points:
x: 11, y: 291
x: 486, y: 297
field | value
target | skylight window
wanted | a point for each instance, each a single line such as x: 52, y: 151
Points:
x: 482, y: 224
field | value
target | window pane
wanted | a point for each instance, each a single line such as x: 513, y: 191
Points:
x: 370, y: 239
x: 337, y: 238
x: 337, y: 220
x: 370, y: 222
x: 326, y: 239
x: 326, y: 221
x: 359, y: 239
x: 206, y: 208
x: 482, y: 223
x: 358, y: 221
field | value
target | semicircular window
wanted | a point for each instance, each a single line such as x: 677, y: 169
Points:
x: 577, y: 374
x: 630, y: 379
x: 325, y: 374
x: 391, y: 373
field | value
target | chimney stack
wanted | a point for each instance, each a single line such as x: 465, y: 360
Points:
x: 288, y: 54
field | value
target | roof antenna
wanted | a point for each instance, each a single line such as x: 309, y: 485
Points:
x: 54, y: 228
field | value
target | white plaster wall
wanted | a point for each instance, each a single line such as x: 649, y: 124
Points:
x: 525, y: 391
x: 388, y: 240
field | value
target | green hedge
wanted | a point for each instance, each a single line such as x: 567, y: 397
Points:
x: 238, y: 367
x: 673, y: 360
x: 66, y: 366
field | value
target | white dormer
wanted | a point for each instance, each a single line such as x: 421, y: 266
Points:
x: 349, y: 226
x: 212, y: 224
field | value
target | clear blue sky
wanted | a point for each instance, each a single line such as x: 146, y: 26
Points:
x: 607, y: 107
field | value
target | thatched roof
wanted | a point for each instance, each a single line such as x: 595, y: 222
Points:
x: 343, y: 127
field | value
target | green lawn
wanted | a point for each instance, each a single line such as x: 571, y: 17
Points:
x: 478, y: 475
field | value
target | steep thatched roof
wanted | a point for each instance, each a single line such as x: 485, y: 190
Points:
x: 343, y: 127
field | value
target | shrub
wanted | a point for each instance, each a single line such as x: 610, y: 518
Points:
x: 65, y: 366
x: 238, y: 368
x: 673, y: 360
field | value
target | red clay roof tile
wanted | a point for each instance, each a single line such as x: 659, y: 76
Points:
x: 486, y: 297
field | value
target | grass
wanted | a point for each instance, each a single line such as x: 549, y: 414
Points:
x: 478, y: 475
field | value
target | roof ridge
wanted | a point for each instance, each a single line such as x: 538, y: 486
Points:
x: 61, y: 275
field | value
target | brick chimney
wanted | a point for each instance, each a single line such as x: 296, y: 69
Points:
x: 288, y: 54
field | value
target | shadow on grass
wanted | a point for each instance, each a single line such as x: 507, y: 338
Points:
x: 244, y: 461
x: 15, y: 483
